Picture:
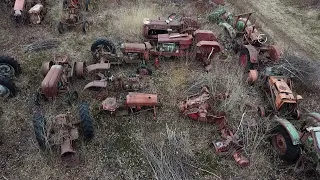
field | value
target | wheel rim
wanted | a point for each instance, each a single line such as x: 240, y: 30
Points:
x: 7, y: 70
x: 143, y: 71
x: 243, y: 60
x: 4, y: 91
x: 279, y: 143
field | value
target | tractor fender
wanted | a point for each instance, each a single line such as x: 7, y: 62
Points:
x: 206, y: 46
x: 231, y: 31
x: 275, y: 52
x: 96, y: 84
x: 98, y: 66
x: 292, y: 131
x: 252, y: 52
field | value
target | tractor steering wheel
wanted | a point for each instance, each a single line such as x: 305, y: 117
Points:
x: 262, y: 38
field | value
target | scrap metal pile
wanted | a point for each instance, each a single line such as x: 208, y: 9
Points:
x: 171, y: 37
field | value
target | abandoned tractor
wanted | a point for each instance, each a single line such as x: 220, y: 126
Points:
x: 116, y: 83
x: 9, y: 68
x: 152, y: 28
x: 57, y: 77
x: 134, y: 103
x: 76, y: 3
x: 252, y: 44
x: 198, y: 108
x: 168, y: 45
x: 289, y: 141
x: 72, y: 16
x: 32, y: 11
x: 279, y: 92
x: 63, y: 131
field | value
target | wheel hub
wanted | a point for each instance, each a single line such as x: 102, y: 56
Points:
x: 7, y: 70
x: 4, y: 91
x: 281, y: 143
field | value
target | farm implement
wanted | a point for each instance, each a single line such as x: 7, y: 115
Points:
x: 32, y: 11
x: 198, y: 108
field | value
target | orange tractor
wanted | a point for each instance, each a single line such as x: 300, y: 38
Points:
x: 29, y: 11
x: 279, y: 92
x: 57, y: 77
x: 133, y: 103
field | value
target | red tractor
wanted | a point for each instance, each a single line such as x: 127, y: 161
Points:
x: 152, y: 28
x: 57, y: 77
x: 168, y: 45
x: 72, y: 17
x: 9, y: 68
x: 29, y: 11
x: 133, y: 103
x: 63, y: 132
x: 198, y: 107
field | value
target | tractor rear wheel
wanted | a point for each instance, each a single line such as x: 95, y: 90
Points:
x: 39, y: 126
x: 102, y: 44
x: 244, y: 60
x: 7, y: 88
x: 86, y: 120
x: 282, y: 143
x: 9, y: 67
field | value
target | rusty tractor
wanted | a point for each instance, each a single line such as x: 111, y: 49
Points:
x: 198, y: 108
x: 9, y: 68
x: 252, y: 43
x: 134, y: 103
x: 152, y: 28
x: 289, y: 141
x: 116, y: 83
x: 168, y: 45
x: 57, y: 77
x: 76, y: 3
x: 279, y: 92
x: 32, y: 11
x: 72, y: 17
x: 63, y: 131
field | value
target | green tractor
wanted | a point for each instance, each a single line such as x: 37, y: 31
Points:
x: 298, y: 145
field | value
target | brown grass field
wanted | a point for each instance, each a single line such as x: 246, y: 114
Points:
x: 138, y: 147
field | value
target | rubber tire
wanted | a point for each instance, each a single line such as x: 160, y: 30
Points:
x: 84, y: 25
x: 60, y: 28
x: 12, y: 62
x: 39, y: 126
x: 149, y: 70
x: 105, y: 43
x: 87, y: 5
x: 249, y: 65
x: 293, y: 151
x: 8, y: 83
x: 86, y: 120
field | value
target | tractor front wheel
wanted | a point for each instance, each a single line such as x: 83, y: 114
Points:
x: 86, y: 120
x: 40, y: 129
x: 85, y: 27
x: 102, y: 45
x: 282, y: 143
x: 244, y: 60
x: 60, y: 27
x: 144, y: 71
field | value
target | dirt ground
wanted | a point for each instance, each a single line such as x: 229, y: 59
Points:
x: 138, y: 147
